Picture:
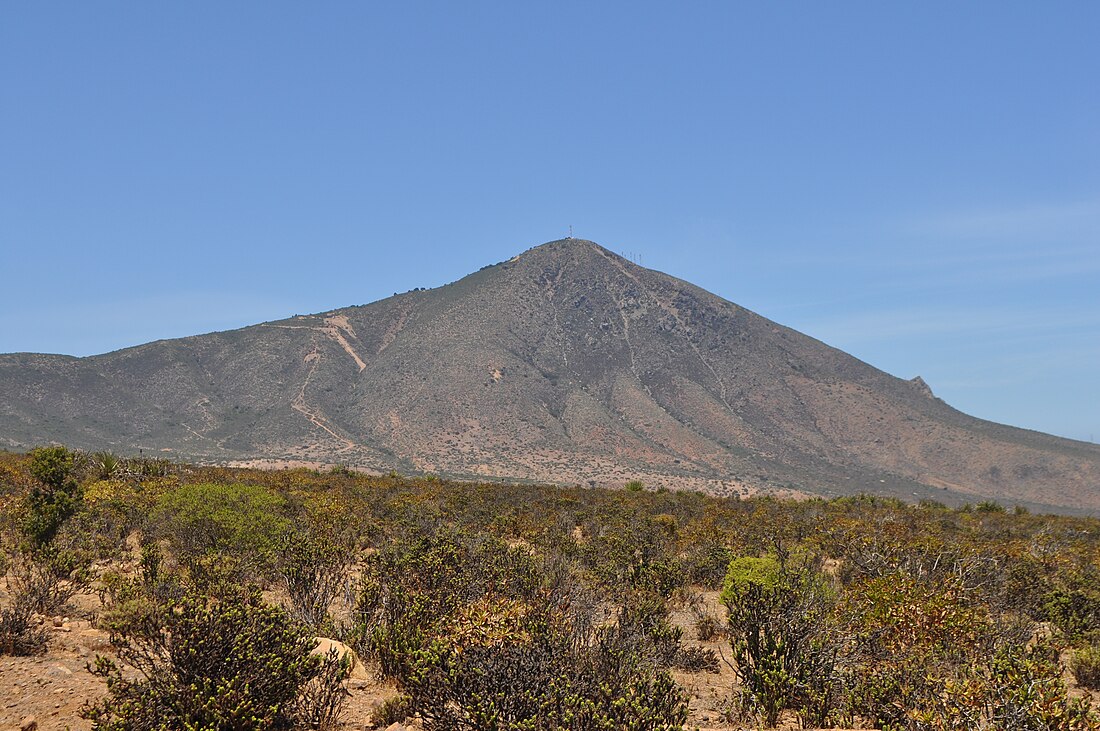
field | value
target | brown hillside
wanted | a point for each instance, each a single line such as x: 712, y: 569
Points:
x: 565, y: 364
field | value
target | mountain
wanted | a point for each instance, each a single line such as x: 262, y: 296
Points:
x: 565, y: 364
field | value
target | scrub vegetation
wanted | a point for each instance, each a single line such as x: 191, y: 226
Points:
x: 489, y: 606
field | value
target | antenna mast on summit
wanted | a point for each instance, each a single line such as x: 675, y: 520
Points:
x: 570, y: 230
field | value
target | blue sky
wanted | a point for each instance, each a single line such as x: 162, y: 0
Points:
x: 917, y: 184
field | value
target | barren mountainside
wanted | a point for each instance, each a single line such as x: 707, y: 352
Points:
x: 565, y: 364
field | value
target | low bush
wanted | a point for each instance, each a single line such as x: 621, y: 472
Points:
x: 391, y: 711
x: 48, y: 577
x: 218, y: 663
x: 552, y: 678
x: 780, y: 634
x: 137, y: 605
x: 420, y: 587
x: 223, y: 532
x: 313, y: 568
x: 1017, y: 689
x: 1086, y: 666
x: 708, y: 628
x: 644, y: 622
x: 907, y: 639
x: 21, y: 633
x: 1073, y: 612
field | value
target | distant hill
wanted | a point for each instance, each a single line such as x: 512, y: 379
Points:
x: 565, y: 364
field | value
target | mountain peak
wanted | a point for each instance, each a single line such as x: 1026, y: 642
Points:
x: 565, y: 246
x: 573, y: 254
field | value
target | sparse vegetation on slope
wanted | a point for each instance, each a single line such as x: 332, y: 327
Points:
x: 566, y: 364
x: 512, y: 606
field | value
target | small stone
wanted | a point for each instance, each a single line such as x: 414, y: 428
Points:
x: 29, y: 723
x: 59, y: 671
x: 395, y: 727
x: 95, y: 640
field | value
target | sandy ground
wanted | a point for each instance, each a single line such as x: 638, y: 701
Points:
x: 52, y: 688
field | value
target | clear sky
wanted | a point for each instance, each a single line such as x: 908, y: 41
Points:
x: 915, y: 183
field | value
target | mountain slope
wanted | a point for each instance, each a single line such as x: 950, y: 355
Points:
x: 564, y: 364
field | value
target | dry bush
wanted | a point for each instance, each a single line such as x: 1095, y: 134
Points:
x: 21, y: 633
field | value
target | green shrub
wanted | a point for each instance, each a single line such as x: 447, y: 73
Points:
x: 633, y: 553
x: 780, y: 635
x: 744, y: 571
x: 54, y: 498
x: 480, y: 635
x: 1086, y: 666
x: 1017, y: 689
x: 213, y: 664
x: 313, y: 568
x: 136, y: 606
x: 419, y: 586
x: 224, y: 531
x: 1074, y: 612
x: 393, y: 710
x: 52, y: 466
x: 551, y: 679
x: 909, y: 637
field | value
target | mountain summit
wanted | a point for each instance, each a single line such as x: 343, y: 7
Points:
x: 564, y: 364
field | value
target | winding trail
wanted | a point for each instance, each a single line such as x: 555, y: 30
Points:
x: 336, y: 327
x: 299, y: 403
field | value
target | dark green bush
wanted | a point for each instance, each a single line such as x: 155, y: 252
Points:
x: 230, y: 663
x: 54, y: 498
x: 52, y: 466
x: 1086, y: 666
x: 1073, y: 612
